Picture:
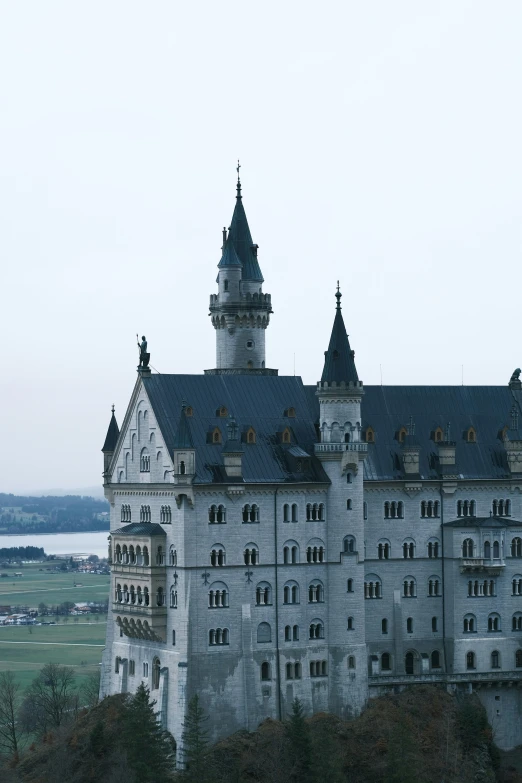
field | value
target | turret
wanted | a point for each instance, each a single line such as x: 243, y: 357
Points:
x: 111, y: 439
x: 240, y: 311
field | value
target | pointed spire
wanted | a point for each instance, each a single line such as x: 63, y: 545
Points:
x: 339, y: 364
x: 229, y: 257
x: 239, y: 234
x: 112, y: 436
x: 183, y: 438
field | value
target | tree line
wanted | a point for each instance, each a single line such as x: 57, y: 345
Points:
x: 9, y: 553
x: 68, y: 514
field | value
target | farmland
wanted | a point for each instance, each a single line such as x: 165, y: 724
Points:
x: 51, y: 587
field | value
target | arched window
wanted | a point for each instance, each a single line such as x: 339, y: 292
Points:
x: 384, y: 625
x: 435, y: 659
x: 370, y: 435
x: 263, y: 594
x: 349, y: 585
x: 286, y: 513
x: 495, y: 659
x: 487, y: 550
x: 517, y: 622
x: 126, y: 513
x: 156, y: 669
x: 144, y: 461
x: 315, y: 592
x: 372, y: 586
x: 173, y: 556
x: 470, y: 660
x: 350, y: 625
x: 166, y: 515
x: 286, y: 436
x: 222, y: 412
x: 365, y: 510
x: 434, y: 586
x: 145, y: 514
x: 471, y: 435
x: 516, y: 585
x: 160, y: 556
x: 493, y: 622
x: 409, y: 587
x: 160, y: 597
x: 409, y: 625
x: 251, y: 554
x: 409, y: 663
x: 470, y: 623
x: 173, y: 598
x: 516, y: 547
x: 316, y: 630
x: 349, y: 545
x: 218, y: 596
x: 294, y: 512
x: 216, y: 435
x: 438, y: 435
x: 349, y: 504
x: 351, y: 661
x: 384, y: 549
x: 348, y: 478
x: 189, y: 411
x: 251, y: 513
x: 218, y: 555
x: 217, y: 515
x: 386, y: 662
x: 289, y: 413
x: 291, y: 593
x: 433, y: 548
x: 496, y: 550
x: 265, y: 671
x: 251, y: 435
x: 264, y: 633
x: 468, y: 547
x: 387, y: 510
x: 145, y: 556
x: 408, y: 549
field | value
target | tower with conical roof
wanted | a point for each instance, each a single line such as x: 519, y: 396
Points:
x: 240, y: 311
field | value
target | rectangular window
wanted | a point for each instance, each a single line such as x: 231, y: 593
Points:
x: 145, y: 669
x: 132, y: 667
x: 433, y: 623
x: 174, y: 638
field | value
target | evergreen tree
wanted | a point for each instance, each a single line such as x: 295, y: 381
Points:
x: 298, y: 733
x: 151, y: 750
x: 195, y: 741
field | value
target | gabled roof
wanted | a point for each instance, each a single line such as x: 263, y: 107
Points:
x: 140, y: 529
x: 339, y: 364
x: 387, y: 408
x: 112, y: 435
x: 486, y: 522
x: 239, y: 234
x: 256, y: 401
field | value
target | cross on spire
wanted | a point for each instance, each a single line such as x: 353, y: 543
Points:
x: 238, y: 186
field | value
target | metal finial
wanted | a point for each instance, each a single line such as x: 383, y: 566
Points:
x: 238, y: 186
x: 112, y: 409
x: 338, y: 296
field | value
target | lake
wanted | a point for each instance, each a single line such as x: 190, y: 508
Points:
x: 63, y: 543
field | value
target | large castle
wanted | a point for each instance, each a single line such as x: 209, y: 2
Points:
x: 272, y: 540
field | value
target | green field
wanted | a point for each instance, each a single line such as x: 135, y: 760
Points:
x: 51, y: 587
x: 77, y: 643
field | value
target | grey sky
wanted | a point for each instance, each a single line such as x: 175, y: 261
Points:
x: 380, y: 144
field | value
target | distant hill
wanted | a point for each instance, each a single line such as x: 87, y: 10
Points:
x: 27, y: 514
x: 58, y: 492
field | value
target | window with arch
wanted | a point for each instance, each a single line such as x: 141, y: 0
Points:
x: 318, y: 669
x: 316, y: 630
x: 516, y: 622
x: 145, y: 461
x: 386, y: 662
x: 291, y: 633
x: 384, y: 549
x: 217, y: 515
x: 265, y: 671
x: 408, y: 549
x: 478, y: 588
x: 166, y: 515
x: 126, y: 515
x: 251, y: 554
x: 316, y: 592
x: 401, y: 435
x: 289, y: 413
x: 435, y: 660
x: 394, y: 509
x: 369, y: 435
x: 216, y: 436
x: 160, y: 556
x: 516, y: 585
x: 433, y: 548
x: 434, y: 587
x: 286, y: 437
x: 438, y: 435
x: 466, y: 508
x: 348, y: 478
x: 189, y: 411
x: 218, y: 555
x: 315, y: 551
x: 409, y: 662
x: 518, y: 659
x: 384, y: 625
x: 218, y: 596
x: 350, y: 624
x: 495, y: 659
x: 349, y: 585
x: 468, y: 547
x: 250, y: 435
x: 470, y: 435
x: 349, y: 545
x: 290, y: 552
x: 218, y: 636
x: 349, y: 504
x: 372, y: 586
x: 294, y: 512
x: 222, y: 412
x: 173, y: 556
x: 365, y: 510
x: 409, y: 587
x: 160, y: 597
x: 430, y: 508
x: 173, y: 598
x: 286, y: 512
x: 351, y: 661
x: 264, y: 633
x: 117, y: 554
x: 493, y: 622
x: 293, y: 671
x: 250, y: 513
x: 409, y: 625
x: 470, y: 660
x: 501, y: 508
x: 263, y: 594
x: 315, y: 511
x: 516, y: 547
x: 291, y: 593
x: 145, y: 514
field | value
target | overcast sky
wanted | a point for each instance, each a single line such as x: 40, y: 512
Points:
x: 380, y: 145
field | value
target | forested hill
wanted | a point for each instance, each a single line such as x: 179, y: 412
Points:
x: 68, y: 514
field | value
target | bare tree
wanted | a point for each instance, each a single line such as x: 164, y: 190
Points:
x: 51, y: 698
x: 11, y: 732
x: 90, y: 690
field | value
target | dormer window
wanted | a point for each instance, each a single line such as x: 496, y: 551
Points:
x: 401, y: 435
x: 287, y: 438
x: 222, y: 412
x: 438, y: 435
x: 289, y: 413
x: 189, y: 411
x: 251, y: 435
x: 370, y: 435
x: 216, y: 435
x: 470, y: 435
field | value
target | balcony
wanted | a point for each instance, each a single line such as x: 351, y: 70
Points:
x: 490, y: 565
x: 357, y: 446
x: 138, y: 621
x: 480, y: 678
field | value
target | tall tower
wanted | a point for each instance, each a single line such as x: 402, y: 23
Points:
x: 240, y: 310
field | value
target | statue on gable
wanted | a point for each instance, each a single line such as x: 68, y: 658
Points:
x: 144, y: 356
x: 514, y: 381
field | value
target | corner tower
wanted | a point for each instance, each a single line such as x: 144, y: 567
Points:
x: 240, y: 310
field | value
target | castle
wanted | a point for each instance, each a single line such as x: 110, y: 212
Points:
x: 272, y: 540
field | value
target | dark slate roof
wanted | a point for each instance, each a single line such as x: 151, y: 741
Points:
x: 112, y: 435
x: 183, y: 437
x: 487, y: 522
x: 240, y: 235
x: 140, y: 529
x: 387, y: 408
x: 229, y: 257
x: 339, y: 364
x: 257, y: 401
